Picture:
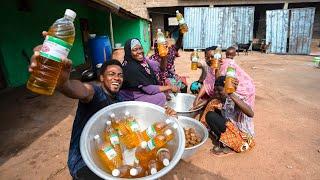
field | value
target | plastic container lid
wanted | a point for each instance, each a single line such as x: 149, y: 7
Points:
x: 115, y: 172
x: 133, y: 172
x: 108, y: 123
x: 112, y: 115
x: 153, y: 171
x: 166, y: 162
x: 168, y: 121
x: 175, y: 125
x: 168, y: 132
x: 177, y: 11
x: 96, y: 137
x: 70, y: 13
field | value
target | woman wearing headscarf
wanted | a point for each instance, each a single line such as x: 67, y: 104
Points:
x: 140, y: 82
x: 167, y: 74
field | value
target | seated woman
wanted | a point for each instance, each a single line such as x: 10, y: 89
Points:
x: 140, y: 82
x: 230, y: 120
x: 167, y: 74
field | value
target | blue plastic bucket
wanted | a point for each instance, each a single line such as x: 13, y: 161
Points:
x: 100, y: 48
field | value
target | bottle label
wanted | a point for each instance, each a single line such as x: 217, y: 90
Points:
x: 151, y: 132
x: 114, y: 139
x: 161, y: 40
x: 55, y: 49
x: 181, y: 21
x: 151, y: 144
x: 231, y: 72
x: 110, y: 152
x: 134, y: 126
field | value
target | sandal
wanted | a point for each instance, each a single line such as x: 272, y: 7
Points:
x: 219, y: 151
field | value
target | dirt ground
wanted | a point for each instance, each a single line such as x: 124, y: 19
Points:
x: 35, y: 130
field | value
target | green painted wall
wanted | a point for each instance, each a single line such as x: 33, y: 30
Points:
x: 124, y: 29
x: 21, y: 30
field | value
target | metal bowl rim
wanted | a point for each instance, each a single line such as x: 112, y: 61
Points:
x: 195, y: 110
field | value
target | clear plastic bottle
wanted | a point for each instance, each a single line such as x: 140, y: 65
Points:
x: 137, y: 170
x: 161, y: 41
x: 112, y: 136
x: 143, y: 155
x: 153, y: 167
x: 182, y: 24
x: 230, y: 76
x: 194, y: 60
x: 122, y: 171
x: 163, y: 157
x: 128, y: 130
x: 107, y: 154
x: 216, y: 58
x: 57, y: 45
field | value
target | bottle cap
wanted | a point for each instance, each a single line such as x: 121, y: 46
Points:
x: 168, y: 132
x: 70, y: 13
x: 108, y: 123
x: 112, y: 115
x: 159, y: 30
x: 115, y: 172
x: 168, y: 121
x: 144, y: 144
x: 166, y: 162
x: 177, y: 11
x: 96, y: 137
x: 133, y: 172
x: 127, y: 113
x: 175, y: 125
x: 153, y: 171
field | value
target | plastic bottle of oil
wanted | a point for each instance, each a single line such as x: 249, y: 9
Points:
x: 182, y: 24
x: 230, y: 76
x: 107, y: 154
x: 163, y: 157
x: 194, y: 60
x: 134, y: 130
x: 112, y: 136
x: 137, y: 171
x: 129, y: 131
x: 216, y: 58
x: 161, y: 41
x: 57, y: 45
x: 153, y: 167
x: 154, y: 129
x: 143, y: 155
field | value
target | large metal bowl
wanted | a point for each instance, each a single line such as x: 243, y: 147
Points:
x: 187, y: 122
x: 182, y: 103
x: 146, y: 115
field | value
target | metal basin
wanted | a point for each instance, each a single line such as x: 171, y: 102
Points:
x: 146, y: 115
x: 182, y: 103
x: 187, y: 122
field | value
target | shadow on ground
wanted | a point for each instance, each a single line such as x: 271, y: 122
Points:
x: 26, y: 116
x: 186, y: 171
